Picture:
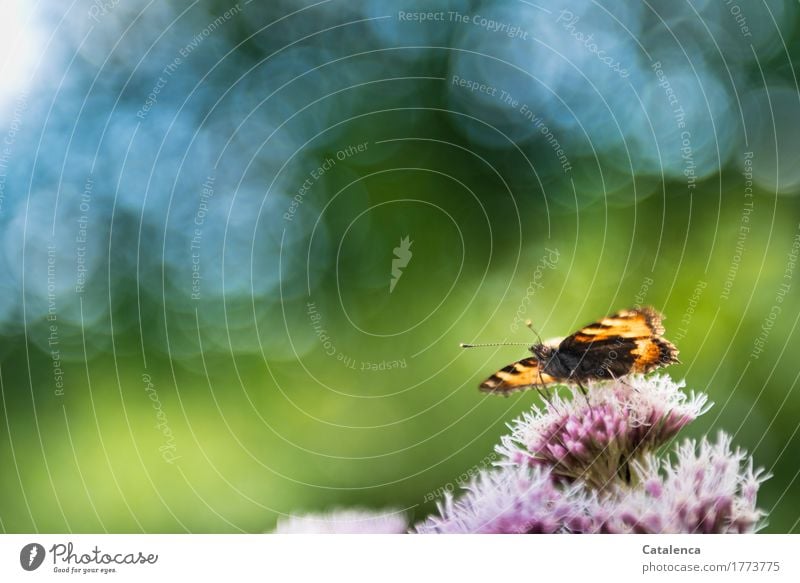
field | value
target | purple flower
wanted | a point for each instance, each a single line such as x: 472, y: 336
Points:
x: 508, y: 500
x: 588, y: 464
x: 345, y: 522
x: 597, y: 438
x: 707, y: 489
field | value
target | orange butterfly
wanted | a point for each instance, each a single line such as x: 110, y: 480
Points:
x: 626, y: 342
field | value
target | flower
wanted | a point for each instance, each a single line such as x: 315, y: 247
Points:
x: 589, y: 464
x: 707, y: 489
x: 507, y: 500
x: 355, y: 521
x: 597, y: 437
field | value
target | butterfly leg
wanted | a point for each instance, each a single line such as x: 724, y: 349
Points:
x: 623, y: 381
x: 546, y: 397
x: 543, y: 392
x: 583, y: 390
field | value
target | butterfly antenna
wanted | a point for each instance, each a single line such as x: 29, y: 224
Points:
x: 464, y: 345
x: 529, y: 324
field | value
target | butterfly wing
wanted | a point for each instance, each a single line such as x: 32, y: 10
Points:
x: 628, y: 341
x: 517, y: 376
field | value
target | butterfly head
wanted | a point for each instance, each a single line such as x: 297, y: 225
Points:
x: 542, y: 352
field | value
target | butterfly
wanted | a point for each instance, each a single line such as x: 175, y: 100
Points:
x: 628, y: 341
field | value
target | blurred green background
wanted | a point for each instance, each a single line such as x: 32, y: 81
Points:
x: 197, y: 331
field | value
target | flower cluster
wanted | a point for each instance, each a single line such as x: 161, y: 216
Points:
x: 507, y: 500
x: 703, y: 491
x: 710, y: 489
x: 597, y: 437
x: 588, y: 463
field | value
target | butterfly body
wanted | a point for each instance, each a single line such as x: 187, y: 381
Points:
x: 626, y: 342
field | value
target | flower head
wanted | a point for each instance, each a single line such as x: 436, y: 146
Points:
x: 507, y: 500
x: 588, y: 464
x: 596, y: 438
x: 709, y: 488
